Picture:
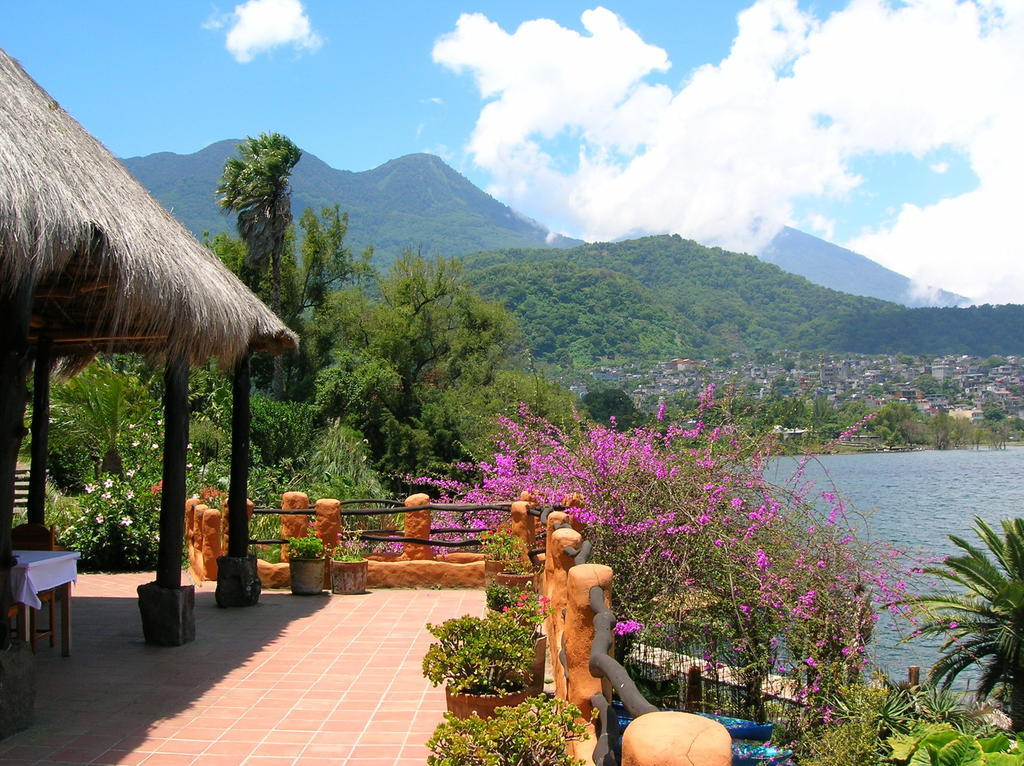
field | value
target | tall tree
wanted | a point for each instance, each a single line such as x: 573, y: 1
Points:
x: 255, y: 185
x: 983, y: 623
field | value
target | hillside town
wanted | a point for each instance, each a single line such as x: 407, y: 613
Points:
x: 960, y: 386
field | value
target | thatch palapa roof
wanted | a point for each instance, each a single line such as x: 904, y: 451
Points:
x: 111, y: 269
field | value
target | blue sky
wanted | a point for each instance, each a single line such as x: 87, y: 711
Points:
x: 886, y: 126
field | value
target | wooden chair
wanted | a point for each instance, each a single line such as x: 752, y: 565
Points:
x: 36, y: 537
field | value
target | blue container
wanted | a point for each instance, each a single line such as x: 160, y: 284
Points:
x: 740, y: 728
x: 759, y: 754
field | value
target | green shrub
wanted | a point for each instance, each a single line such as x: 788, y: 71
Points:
x: 533, y: 733
x: 940, y: 744
x: 502, y: 597
x: 501, y: 545
x: 308, y: 547
x: 119, y: 527
x: 491, y: 655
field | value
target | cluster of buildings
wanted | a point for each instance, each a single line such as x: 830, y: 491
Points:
x: 962, y: 386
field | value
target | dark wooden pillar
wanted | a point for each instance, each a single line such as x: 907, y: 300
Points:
x: 17, y: 668
x: 40, y: 433
x: 238, y: 494
x: 167, y: 608
x: 15, y: 310
x: 172, y: 498
x: 238, y: 580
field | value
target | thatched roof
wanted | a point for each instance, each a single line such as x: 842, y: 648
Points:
x: 112, y: 270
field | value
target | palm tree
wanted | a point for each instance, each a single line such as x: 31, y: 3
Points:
x: 93, y: 410
x: 255, y: 186
x: 983, y: 626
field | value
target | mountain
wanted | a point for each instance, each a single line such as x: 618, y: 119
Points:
x: 416, y: 202
x: 659, y: 297
x: 832, y: 266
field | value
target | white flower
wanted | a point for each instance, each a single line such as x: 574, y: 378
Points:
x: 154, y: 445
x: 99, y: 519
x: 90, y: 488
x: 156, y: 537
x: 130, y: 472
x: 131, y: 426
x: 129, y: 495
x: 125, y: 521
x: 108, y: 483
x: 105, y: 495
x: 135, y: 444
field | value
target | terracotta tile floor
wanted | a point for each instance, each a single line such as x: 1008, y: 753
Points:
x: 294, y: 680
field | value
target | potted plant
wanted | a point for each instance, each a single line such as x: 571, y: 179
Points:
x: 517, y: 573
x: 348, y: 566
x: 535, y: 731
x: 501, y: 549
x: 306, y: 564
x: 484, y: 662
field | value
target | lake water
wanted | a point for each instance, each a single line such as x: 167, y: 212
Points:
x: 915, y: 500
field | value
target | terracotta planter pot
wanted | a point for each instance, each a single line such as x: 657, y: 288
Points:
x: 464, y: 705
x: 540, y: 656
x: 307, y: 576
x: 491, y: 570
x: 348, y: 577
x: 524, y: 581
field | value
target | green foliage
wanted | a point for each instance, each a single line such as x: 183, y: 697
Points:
x: 339, y: 465
x: 308, y: 547
x: 491, y: 655
x: 941, y: 745
x: 608, y: 403
x: 407, y: 362
x: 533, y: 733
x: 281, y: 431
x: 502, y: 545
x: 983, y: 623
x: 501, y: 597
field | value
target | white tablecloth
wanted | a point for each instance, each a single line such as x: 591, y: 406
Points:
x: 41, y: 570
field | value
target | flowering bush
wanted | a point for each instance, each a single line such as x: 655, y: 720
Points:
x: 705, y: 551
x: 119, y: 527
x: 348, y: 548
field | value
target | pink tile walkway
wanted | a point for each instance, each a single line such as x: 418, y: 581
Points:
x: 295, y: 680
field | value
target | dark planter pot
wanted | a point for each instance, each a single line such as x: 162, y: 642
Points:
x: 464, y: 705
x: 524, y: 581
x: 349, y: 577
x: 307, y: 576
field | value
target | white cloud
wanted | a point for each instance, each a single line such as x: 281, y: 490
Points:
x: 724, y: 158
x: 259, y: 25
x: 822, y: 225
x: 939, y: 167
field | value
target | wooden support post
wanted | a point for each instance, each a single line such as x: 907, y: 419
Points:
x: 238, y: 492
x: 172, y: 498
x: 40, y: 433
x: 694, y: 689
x: 914, y: 675
x: 16, y: 309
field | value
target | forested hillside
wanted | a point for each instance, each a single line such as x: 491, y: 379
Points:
x: 658, y: 297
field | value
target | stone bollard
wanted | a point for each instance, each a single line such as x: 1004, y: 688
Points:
x: 417, y: 524
x: 579, y: 633
x: 524, y: 526
x: 562, y: 564
x: 212, y: 523
x: 554, y: 519
x: 676, y: 739
x: 293, y: 524
x: 328, y: 527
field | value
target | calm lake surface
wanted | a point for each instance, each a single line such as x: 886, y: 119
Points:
x: 915, y: 500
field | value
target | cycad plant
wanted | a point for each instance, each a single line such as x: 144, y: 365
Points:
x: 984, y: 623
